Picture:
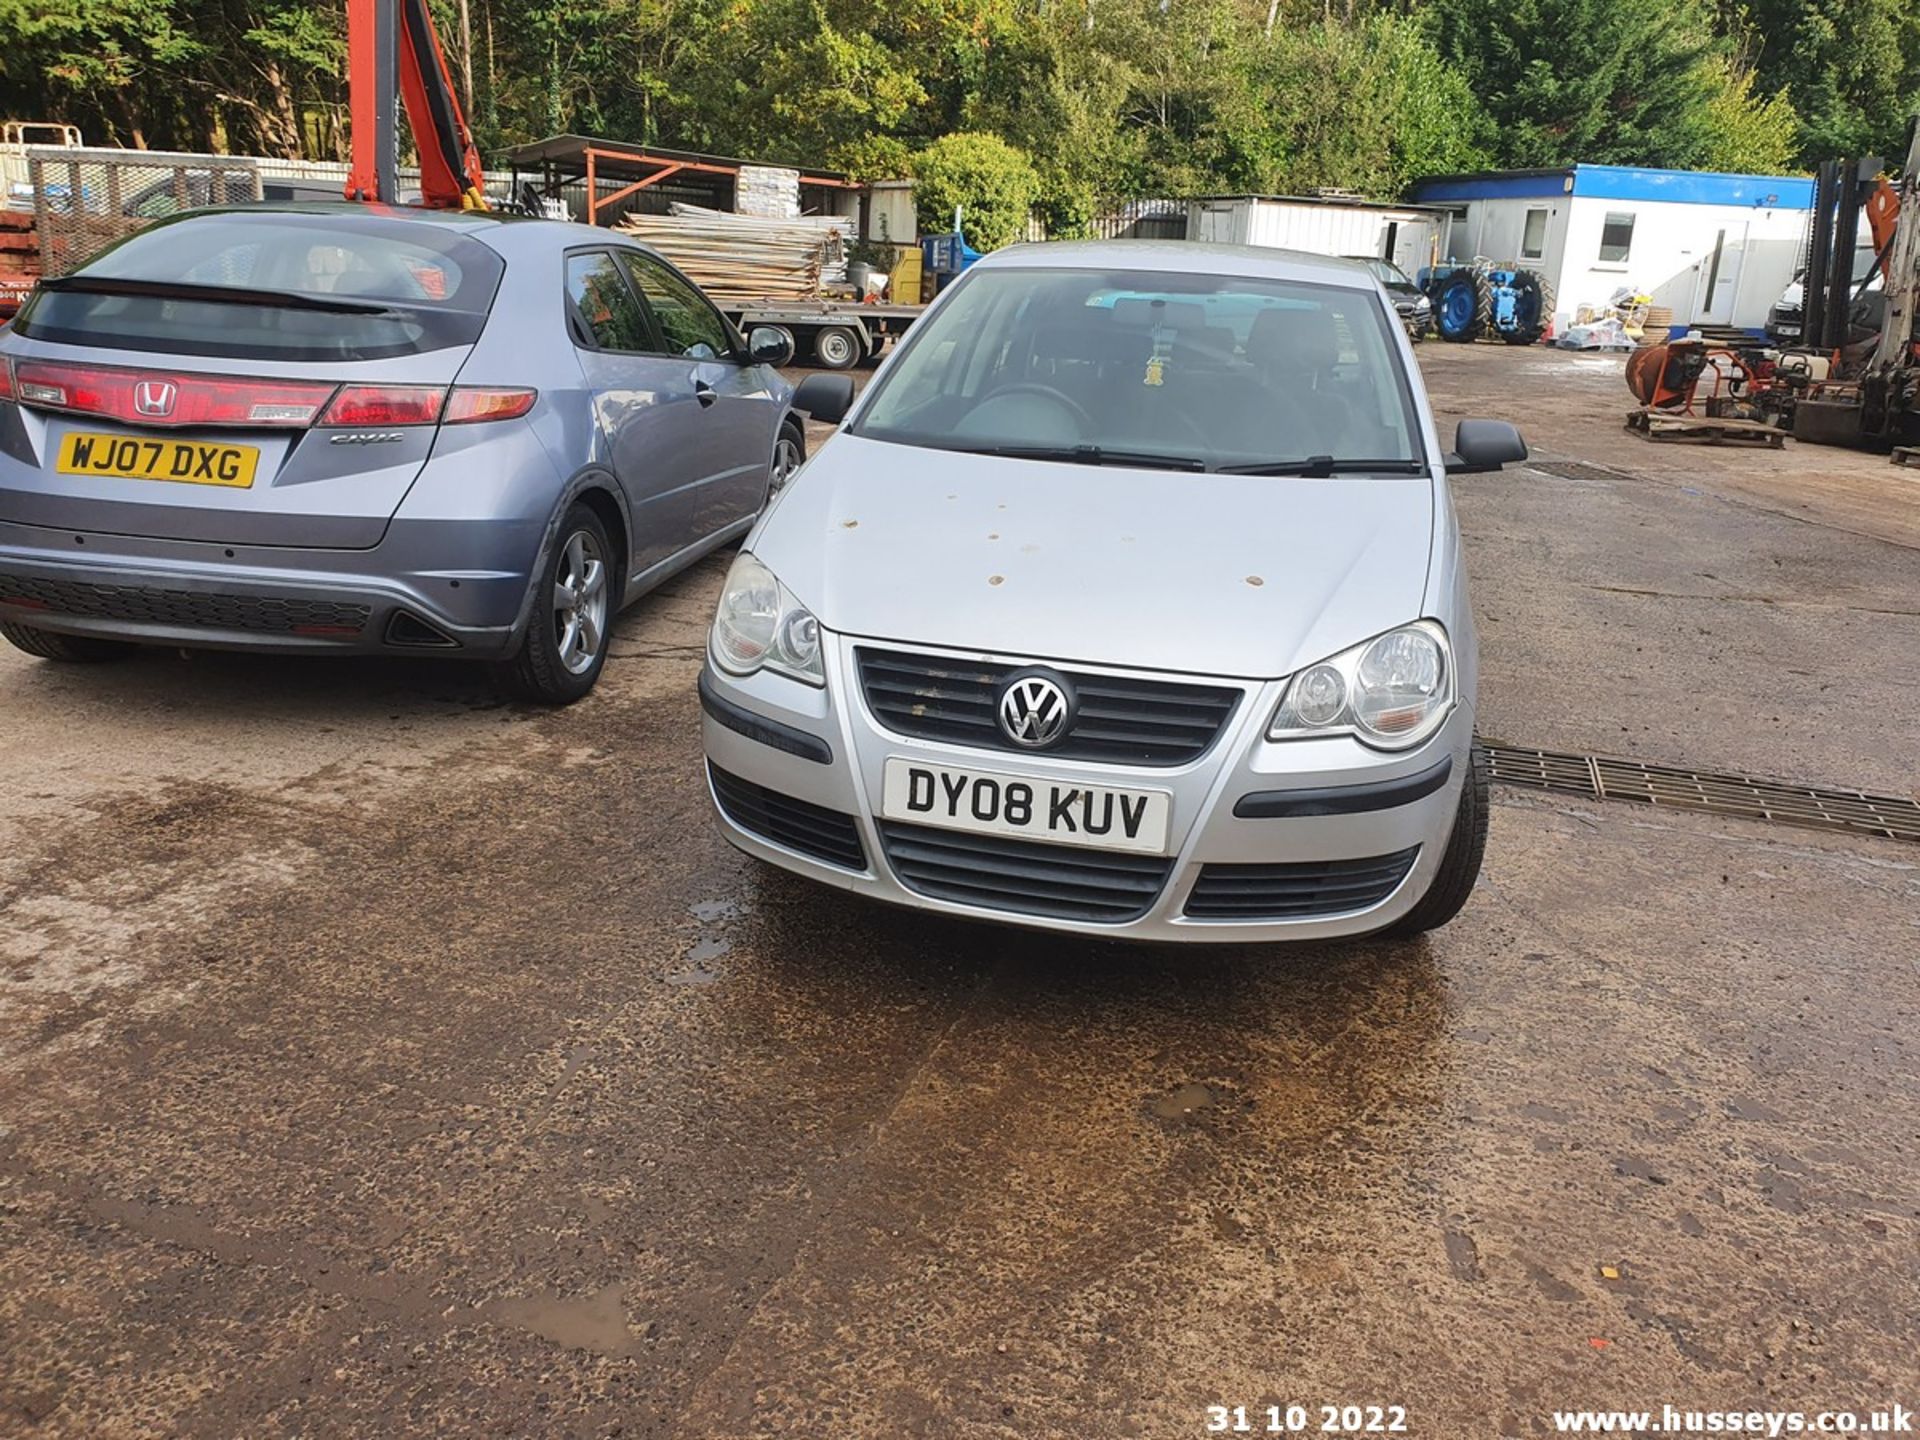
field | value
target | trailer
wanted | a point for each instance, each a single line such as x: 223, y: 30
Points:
x: 833, y: 334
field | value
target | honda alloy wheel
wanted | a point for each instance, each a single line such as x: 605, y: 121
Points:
x: 789, y: 454
x: 564, y: 647
x: 580, y: 602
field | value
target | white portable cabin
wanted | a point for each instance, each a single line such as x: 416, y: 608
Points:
x: 1409, y: 235
x: 1717, y: 249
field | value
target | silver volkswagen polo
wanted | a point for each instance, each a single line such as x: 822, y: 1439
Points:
x: 1128, y: 601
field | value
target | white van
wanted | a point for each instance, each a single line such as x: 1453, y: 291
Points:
x: 1786, y: 320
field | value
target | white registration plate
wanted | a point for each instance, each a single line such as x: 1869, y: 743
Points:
x: 1020, y: 807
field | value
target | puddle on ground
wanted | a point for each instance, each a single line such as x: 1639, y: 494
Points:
x: 1463, y: 1255
x: 1179, y: 1103
x: 1549, y: 1284
x: 1634, y: 1168
x: 1576, y: 360
x: 707, y: 912
x: 1783, y: 1193
x: 596, y: 1322
x: 698, y: 971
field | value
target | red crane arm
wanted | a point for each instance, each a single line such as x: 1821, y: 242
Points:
x: 394, y: 56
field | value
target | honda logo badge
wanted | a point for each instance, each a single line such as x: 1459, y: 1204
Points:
x: 154, y: 398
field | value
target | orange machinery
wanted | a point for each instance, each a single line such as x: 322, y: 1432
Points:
x: 394, y: 55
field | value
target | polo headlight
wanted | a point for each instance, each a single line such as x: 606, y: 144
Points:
x: 760, y: 626
x: 1391, y: 692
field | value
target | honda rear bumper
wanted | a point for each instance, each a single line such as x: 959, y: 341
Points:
x: 417, y: 592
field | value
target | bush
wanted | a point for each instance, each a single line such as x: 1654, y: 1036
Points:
x: 1067, y: 208
x: 873, y: 157
x: 994, y: 184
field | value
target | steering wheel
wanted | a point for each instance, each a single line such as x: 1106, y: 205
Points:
x: 1046, y: 392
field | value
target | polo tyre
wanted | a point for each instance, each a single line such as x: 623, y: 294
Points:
x: 1460, y: 865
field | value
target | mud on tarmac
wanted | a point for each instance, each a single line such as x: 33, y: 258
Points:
x: 380, y: 1059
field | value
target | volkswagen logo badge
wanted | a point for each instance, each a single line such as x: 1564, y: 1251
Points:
x: 1036, y: 708
x: 155, y: 397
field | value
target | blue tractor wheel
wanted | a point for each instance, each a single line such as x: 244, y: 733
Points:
x: 1532, y: 308
x: 1462, y: 306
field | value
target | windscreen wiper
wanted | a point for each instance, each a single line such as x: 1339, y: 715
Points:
x: 219, y: 294
x: 1324, y: 467
x: 1089, y: 455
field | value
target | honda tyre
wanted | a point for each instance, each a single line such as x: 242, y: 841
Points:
x: 69, y: 649
x: 565, y: 644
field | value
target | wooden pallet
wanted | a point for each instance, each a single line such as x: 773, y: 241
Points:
x: 1908, y: 455
x: 1705, y: 430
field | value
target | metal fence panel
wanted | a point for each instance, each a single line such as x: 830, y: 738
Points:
x: 1146, y: 219
x: 85, y: 200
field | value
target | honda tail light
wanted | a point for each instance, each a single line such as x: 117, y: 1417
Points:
x: 157, y: 397
x: 357, y: 406
x: 470, y: 404
x: 396, y: 405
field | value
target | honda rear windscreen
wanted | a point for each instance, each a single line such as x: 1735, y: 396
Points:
x: 275, y: 285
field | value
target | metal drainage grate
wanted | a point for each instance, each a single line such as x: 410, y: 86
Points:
x: 1602, y: 778
x: 1578, y: 470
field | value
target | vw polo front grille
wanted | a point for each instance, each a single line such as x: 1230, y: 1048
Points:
x: 1122, y: 719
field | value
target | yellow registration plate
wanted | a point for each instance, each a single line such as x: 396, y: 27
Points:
x: 129, y: 457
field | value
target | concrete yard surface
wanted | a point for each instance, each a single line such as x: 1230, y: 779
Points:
x: 381, y: 1059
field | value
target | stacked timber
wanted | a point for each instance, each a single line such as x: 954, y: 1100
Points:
x: 745, y: 256
x: 19, y: 259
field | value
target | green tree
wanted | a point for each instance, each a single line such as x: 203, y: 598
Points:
x: 1404, y: 112
x: 1111, y: 99
x: 873, y: 157
x: 1850, y: 68
x: 1751, y: 134
x: 1065, y: 101
x: 1609, y: 81
x: 94, y: 58
x: 994, y: 185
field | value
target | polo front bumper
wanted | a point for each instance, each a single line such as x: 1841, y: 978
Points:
x: 1301, y: 840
